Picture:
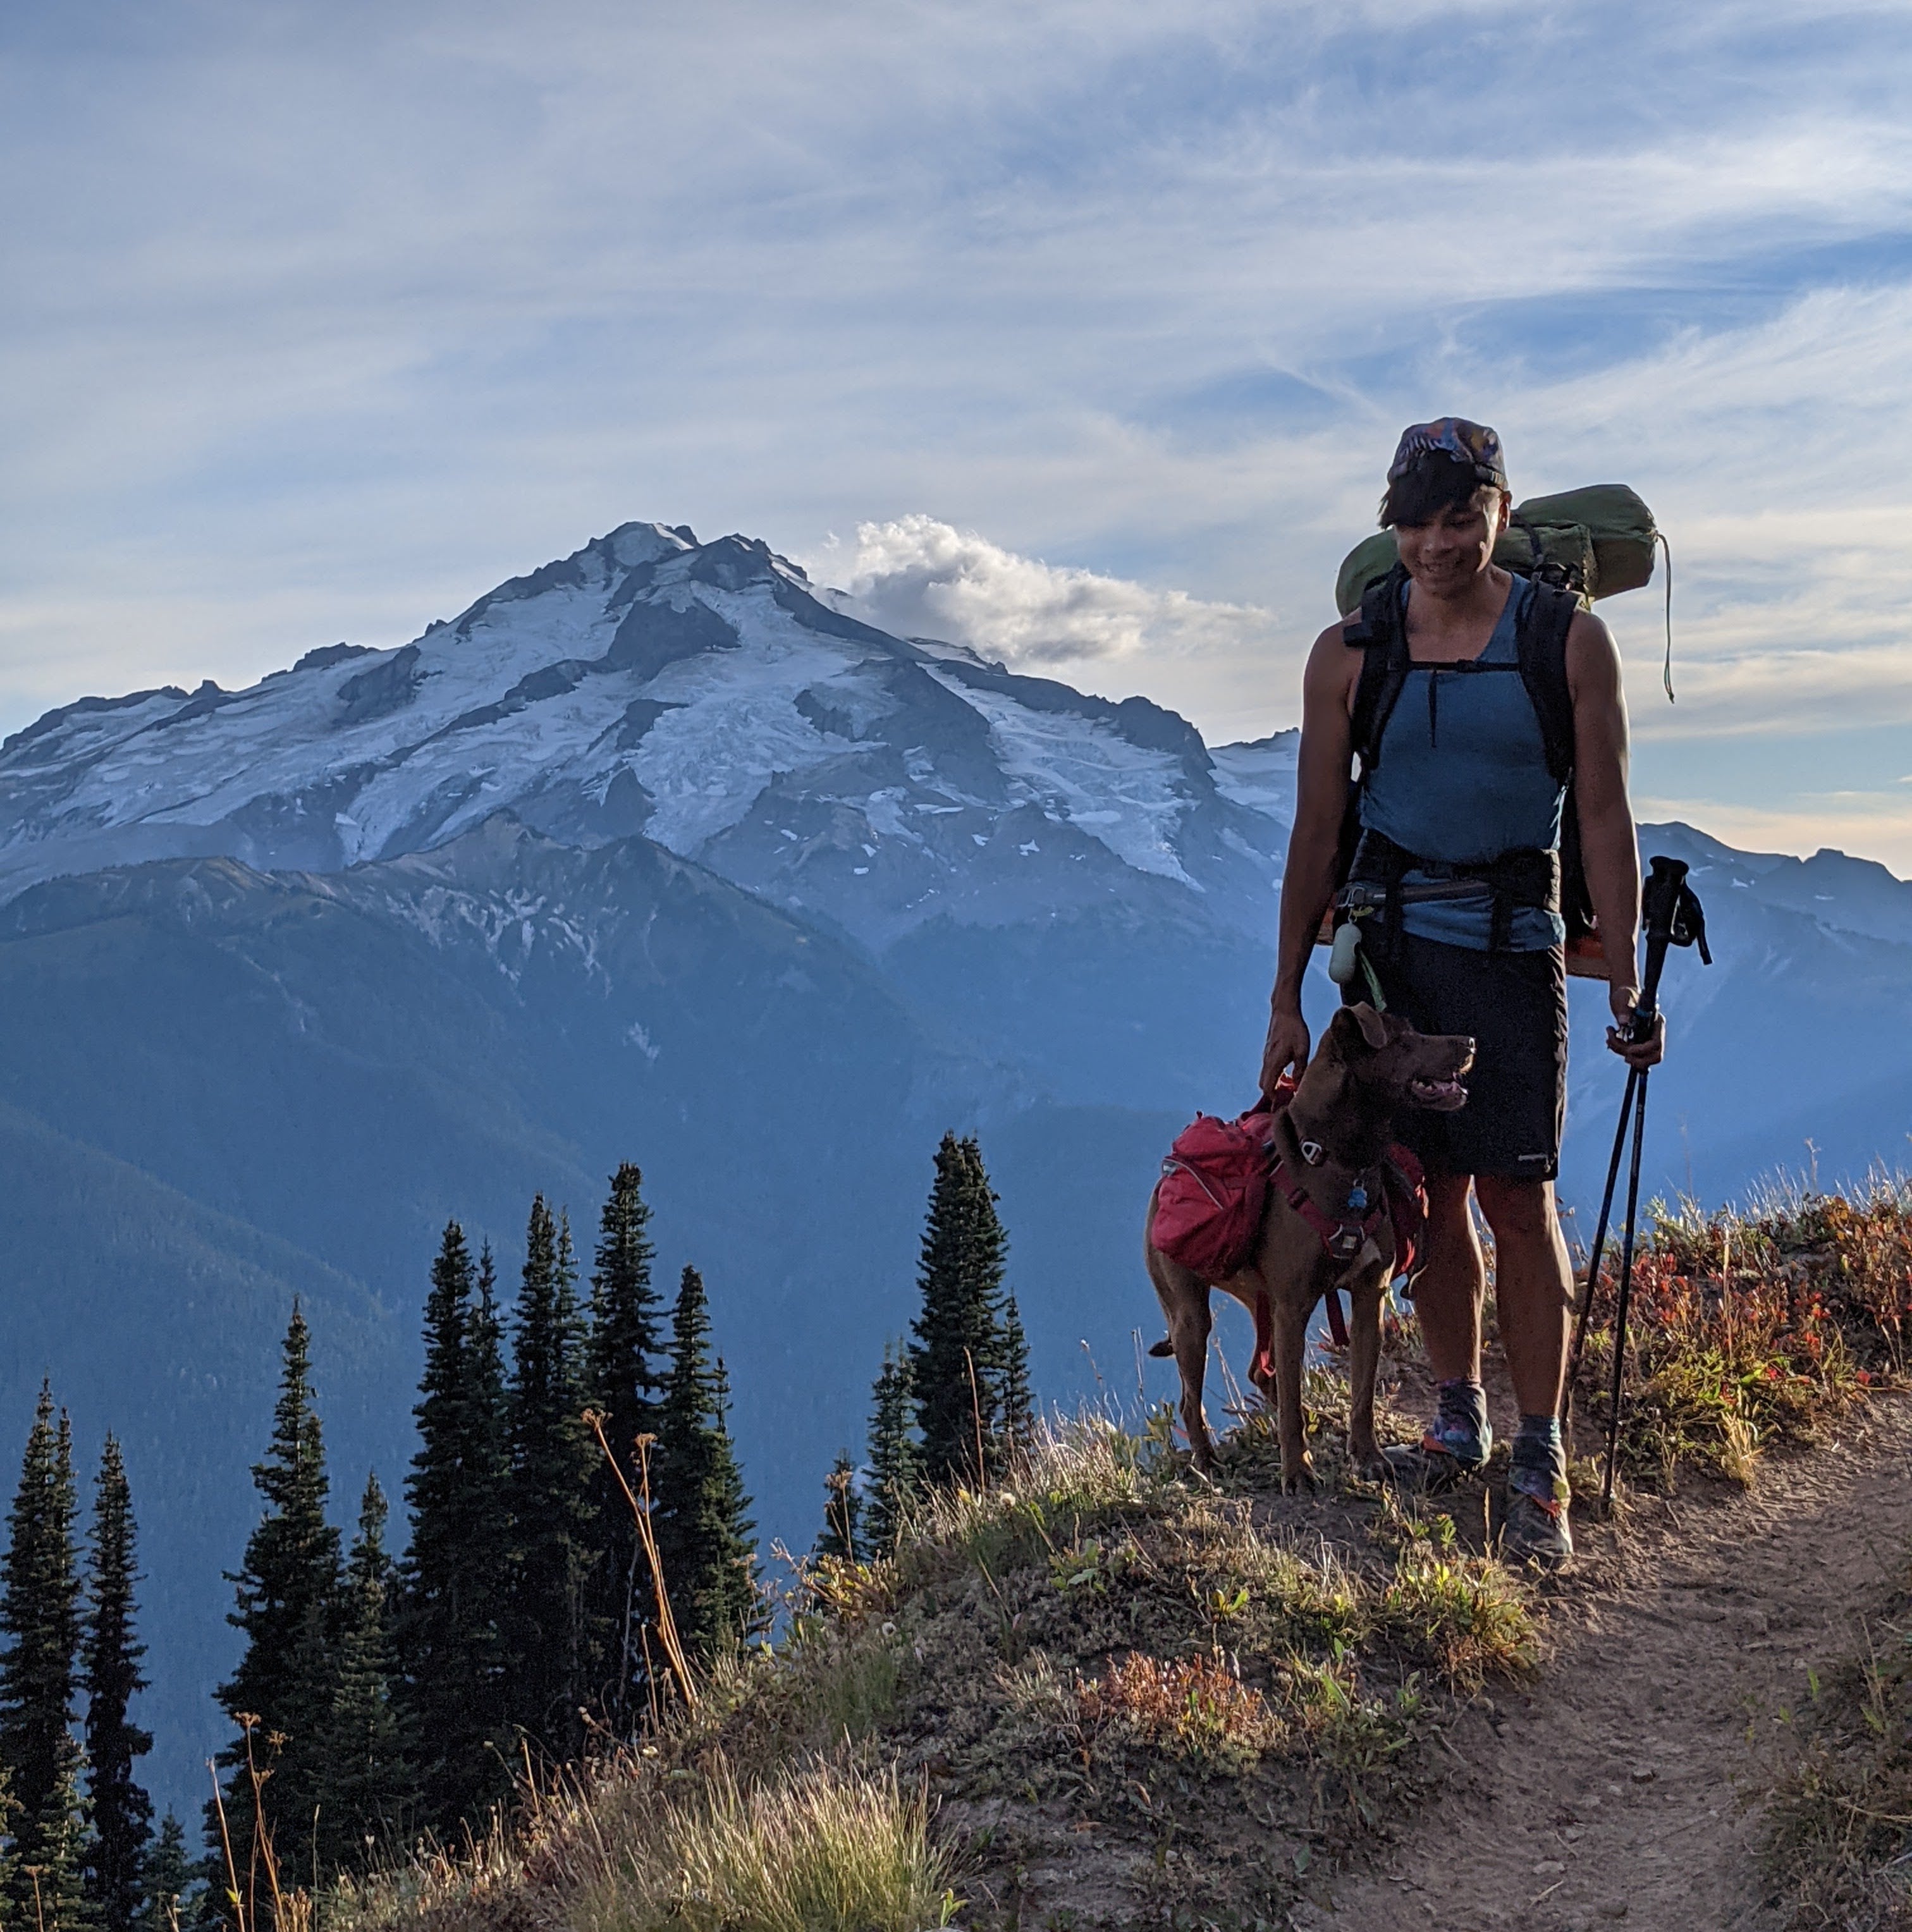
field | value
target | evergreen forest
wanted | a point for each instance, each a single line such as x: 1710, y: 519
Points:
x: 576, y: 1536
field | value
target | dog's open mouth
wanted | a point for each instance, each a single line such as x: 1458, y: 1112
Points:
x: 1441, y: 1097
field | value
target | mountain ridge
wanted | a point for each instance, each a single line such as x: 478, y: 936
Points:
x: 654, y: 853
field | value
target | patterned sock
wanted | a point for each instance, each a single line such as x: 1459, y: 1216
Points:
x: 1460, y: 1420
x: 1540, y: 1459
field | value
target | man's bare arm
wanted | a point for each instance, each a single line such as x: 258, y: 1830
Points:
x: 1307, y: 885
x: 1610, y: 843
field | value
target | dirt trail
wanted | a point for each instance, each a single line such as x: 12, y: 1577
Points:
x: 1612, y: 1790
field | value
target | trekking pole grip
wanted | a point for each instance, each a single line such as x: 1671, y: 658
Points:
x: 1659, y: 907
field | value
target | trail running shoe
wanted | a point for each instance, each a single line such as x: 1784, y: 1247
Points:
x: 1430, y: 1467
x: 1534, y: 1531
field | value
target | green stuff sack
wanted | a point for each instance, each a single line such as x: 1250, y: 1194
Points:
x: 1599, y: 541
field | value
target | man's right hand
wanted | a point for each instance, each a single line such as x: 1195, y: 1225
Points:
x: 1288, y: 1045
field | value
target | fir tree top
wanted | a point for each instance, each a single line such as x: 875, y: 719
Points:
x: 625, y: 1307
x: 121, y: 1812
x: 956, y: 1363
x: 704, y: 1531
x: 39, y: 1612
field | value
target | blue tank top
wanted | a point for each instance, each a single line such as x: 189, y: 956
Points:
x: 1463, y: 777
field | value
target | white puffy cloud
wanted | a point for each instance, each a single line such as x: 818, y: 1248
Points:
x: 916, y: 576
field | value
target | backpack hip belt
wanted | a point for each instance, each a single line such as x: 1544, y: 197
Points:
x: 1525, y: 876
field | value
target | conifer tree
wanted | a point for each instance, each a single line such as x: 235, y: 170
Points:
x: 703, y: 1526
x: 552, y: 1456
x: 367, y: 1789
x: 488, y: 1458
x: 842, y: 1536
x: 451, y: 1608
x: 1016, y: 1406
x: 121, y: 1812
x: 955, y: 1364
x: 39, y: 1615
x: 624, y: 1386
x: 896, y: 1461
x: 286, y: 1595
x: 53, y: 1882
x: 170, y: 1876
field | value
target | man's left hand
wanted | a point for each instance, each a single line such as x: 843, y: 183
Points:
x: 1638, y: 1054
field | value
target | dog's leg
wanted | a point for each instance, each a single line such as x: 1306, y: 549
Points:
x: 1364, y: 1357
x: 1184, y: 1300
x: 1291, y: 1333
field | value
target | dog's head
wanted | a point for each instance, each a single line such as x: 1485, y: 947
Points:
x: 1389, y: 1065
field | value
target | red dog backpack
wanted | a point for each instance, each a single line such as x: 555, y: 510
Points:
x: 1214, y: 1185
x: 1214, y: 1188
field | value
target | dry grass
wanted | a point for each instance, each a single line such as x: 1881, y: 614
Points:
x: 1838, y: 1843
x: 628, y: 1848
x: 1191, y: 1707
x: 1074, y: 1673
x: 1752, y: 1331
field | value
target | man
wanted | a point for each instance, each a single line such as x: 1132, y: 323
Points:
x: 1456, y: 875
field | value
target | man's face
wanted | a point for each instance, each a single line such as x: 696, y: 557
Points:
x: 1445, y: 557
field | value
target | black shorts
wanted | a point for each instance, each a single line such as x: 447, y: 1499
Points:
x: 1514, y: 1005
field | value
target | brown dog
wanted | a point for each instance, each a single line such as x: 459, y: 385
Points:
x: 1370, y: 1067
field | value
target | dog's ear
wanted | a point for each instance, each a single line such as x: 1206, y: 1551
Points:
x: 1373, y: 1028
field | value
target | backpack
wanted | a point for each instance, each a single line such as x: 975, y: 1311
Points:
x: 1596, y: 542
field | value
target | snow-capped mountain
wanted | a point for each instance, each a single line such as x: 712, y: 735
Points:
x: 702, y: 695
x: 660, y: 852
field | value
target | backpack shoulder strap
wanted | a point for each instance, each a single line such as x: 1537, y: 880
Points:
x: 1379, y: 632
x: 1541, y: 638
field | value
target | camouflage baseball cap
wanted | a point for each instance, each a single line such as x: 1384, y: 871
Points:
x: 1469, y: 443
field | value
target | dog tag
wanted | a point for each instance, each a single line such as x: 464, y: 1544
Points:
x: 1357, y: 1198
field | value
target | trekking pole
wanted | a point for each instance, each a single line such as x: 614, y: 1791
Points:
x: 1599, y: 1248
x: 1672, y: 916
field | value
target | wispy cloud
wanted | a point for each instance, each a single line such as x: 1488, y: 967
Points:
x: 314, y: 322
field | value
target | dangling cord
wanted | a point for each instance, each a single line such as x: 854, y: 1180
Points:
x: 1666, y: 674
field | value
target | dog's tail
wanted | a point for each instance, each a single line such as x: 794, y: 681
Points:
x: 1164, y: 1347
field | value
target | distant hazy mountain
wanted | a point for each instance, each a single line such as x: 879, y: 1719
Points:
x: 659, y: 854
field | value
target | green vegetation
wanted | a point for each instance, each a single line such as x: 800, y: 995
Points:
x: 73, y: 1859
x: 1752, y: 1330
x: 121, y: 1814
x: 1840, y: 1822
x: 554, y: 1465
x: 969, y: 1364
x: 280, y: 1697
x: 1018, y: 1650
x: 369, y: 1782
x: 896, y: 1461
x: 40, y: 1610
x: 625, y: 1348
x: 451, y: 1609
x: 1091, y: 1659
x: 703, y: 1532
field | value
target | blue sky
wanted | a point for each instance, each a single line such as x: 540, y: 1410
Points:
x: 1083, y: 331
